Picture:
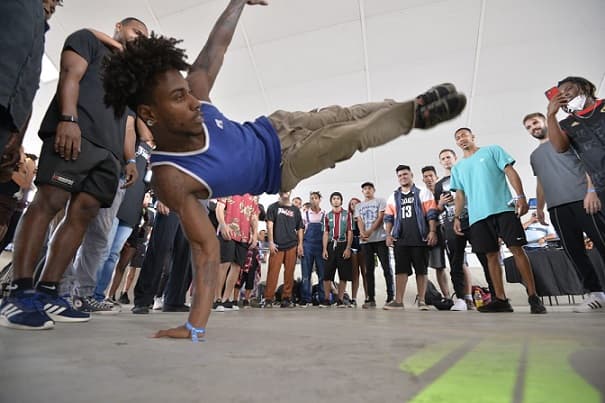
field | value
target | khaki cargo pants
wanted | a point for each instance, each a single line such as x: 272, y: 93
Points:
x: 316, y: 140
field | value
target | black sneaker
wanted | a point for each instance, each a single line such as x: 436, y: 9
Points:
x: 340, y: 304
x: 353, y: 304
x: 286, y: 303
x: 228, y: 305
x: 267, y: 304
x: 536, y: 305
x: 440, y: 111
x: 436, y: 93
x: 369, y: 304
x: 496, y: 305
x: 303, y: 304
x: 175, y: 308
x: 325, y: 304
x: 124, y: 299
x: 245, y: 304
x: 140, y: 310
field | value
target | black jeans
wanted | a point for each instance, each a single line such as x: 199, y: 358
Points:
x: 382, y: 251
x: 179, y: 278
x: 159, y: 253
x: 570, y: 221
x: 455, y: 246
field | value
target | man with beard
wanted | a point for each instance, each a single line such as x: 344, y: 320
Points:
x: 573, y: 206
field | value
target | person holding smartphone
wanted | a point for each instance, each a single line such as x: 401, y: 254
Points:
x: 583, y: 130
x: 573, y: 207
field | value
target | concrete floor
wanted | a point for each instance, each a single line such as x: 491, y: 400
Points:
x: 321, y: 355
x: 315, y: 355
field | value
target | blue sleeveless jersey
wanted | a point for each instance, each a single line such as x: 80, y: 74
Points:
x: 237, y: 158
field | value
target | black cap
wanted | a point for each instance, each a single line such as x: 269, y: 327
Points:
x: 367, y: 184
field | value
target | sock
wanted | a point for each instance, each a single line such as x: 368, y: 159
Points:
x: 21, y: 284
x: 48, y: 287
x: 468, y: 297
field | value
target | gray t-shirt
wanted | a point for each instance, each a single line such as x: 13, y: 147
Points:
x: 562, y: 175
x: 368, y: 211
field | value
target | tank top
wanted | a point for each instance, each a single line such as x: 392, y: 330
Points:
x: 237, y: 158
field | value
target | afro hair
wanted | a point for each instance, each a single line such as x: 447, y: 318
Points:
x: 130, y: 75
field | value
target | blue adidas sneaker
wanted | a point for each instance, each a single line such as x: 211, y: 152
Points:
x: 24, y: 311
x: 60, y: 310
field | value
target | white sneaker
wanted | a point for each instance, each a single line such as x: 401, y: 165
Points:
x: 593, y: 303
x: 158, y: 303
x: 459, y: 305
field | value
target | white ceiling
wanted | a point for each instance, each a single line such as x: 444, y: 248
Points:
x: 301, y: 54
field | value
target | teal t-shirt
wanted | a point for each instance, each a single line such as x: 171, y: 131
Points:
x: 481, y: 177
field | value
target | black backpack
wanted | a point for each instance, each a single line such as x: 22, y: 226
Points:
x: 434, y: 297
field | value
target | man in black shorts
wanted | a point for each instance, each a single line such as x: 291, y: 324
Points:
x: 80, y: 163
x: 337, y: 240
x: 411, y: 224
x: 480, y: 178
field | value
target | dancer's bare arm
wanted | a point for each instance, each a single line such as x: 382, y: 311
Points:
x: 205, y: 68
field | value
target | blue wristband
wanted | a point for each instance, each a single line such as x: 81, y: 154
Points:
x: 197, y: 333
x: 591, y: 190
x: 131, y: 161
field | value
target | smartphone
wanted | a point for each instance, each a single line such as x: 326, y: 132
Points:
x: 550, y: 93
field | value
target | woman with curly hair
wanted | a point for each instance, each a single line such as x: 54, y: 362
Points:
x: 201, y: 153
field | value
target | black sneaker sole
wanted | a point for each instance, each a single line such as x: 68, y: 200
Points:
x: 441, y: 111
x: 437, y: 92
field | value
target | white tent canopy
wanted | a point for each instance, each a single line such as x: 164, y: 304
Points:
x: 302, y: 54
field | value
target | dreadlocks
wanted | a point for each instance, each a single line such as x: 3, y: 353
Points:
x: 586, y: 86
x: 129, y: 76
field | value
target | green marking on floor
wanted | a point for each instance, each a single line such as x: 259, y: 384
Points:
x: 487, y: 374
x: 428, y: 357
x: 550, y: 377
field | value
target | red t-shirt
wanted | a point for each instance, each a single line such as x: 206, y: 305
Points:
x: 239, y: 211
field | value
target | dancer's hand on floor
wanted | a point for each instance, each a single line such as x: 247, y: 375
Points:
x: 180, y: 332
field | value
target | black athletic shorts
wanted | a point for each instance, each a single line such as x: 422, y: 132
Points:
x: 96, y: 171
x: 485, y: 233
x: 336, y: 261
x: 408, y: 256
x: 233, y: 251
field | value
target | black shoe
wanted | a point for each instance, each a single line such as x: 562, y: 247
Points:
x: 325, y: 304
x: 124, y: 299
x: 246, y: 304
x: 140, y: 310
x: 436, y: 93
x: 267, y: 304
x: 175, y: 308
x: 496, y: 305
x: 286, y: 303
x: 389, y: 299
x: 340, y: 304
x: 440, y: 111
x: 536, y: 305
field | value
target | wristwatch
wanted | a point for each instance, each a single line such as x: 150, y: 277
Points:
x: 68, y: 118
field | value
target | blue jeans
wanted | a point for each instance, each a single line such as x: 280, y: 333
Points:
x: 121, y: 233
x: 312, y: 255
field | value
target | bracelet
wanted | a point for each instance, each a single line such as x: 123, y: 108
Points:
x: 197, y: 333
x: 131, y: 161
x: 68, y: 118
x: 519, y: 197
x: 591, y: 190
